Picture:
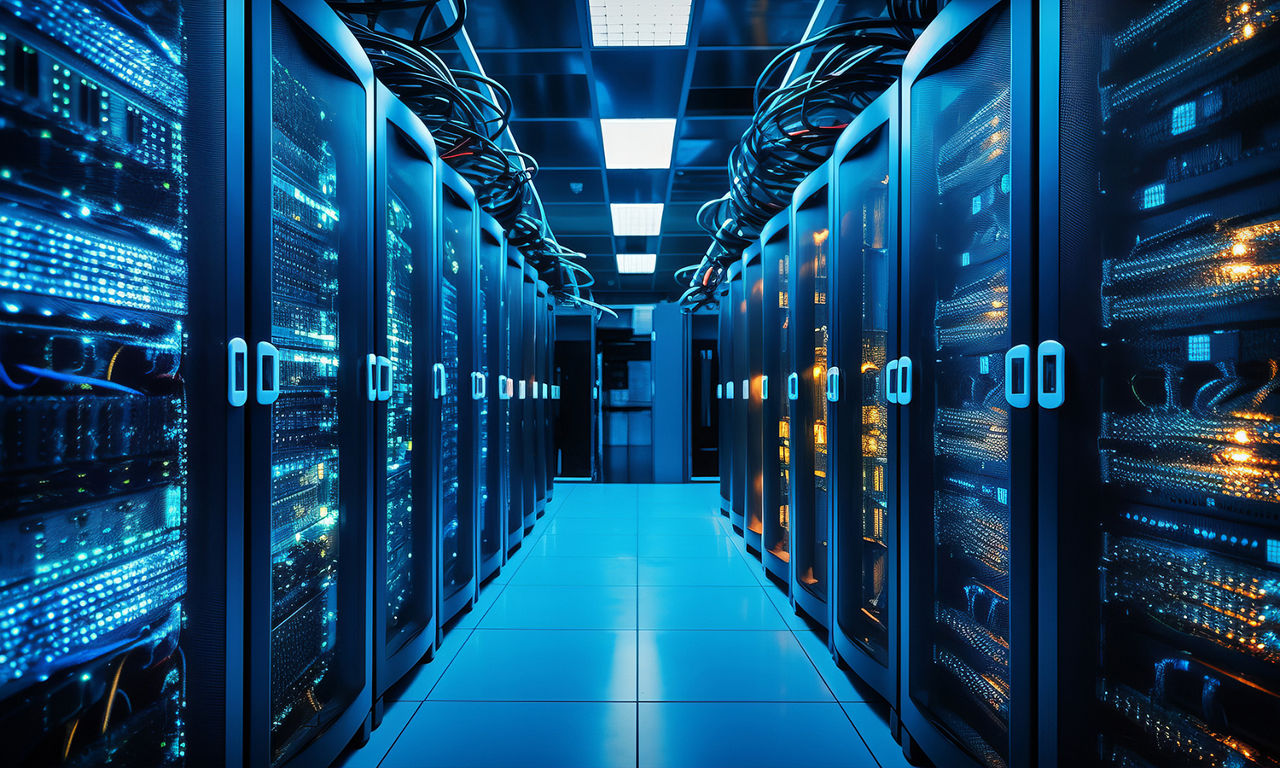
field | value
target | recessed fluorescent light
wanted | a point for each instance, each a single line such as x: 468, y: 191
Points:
x: 636, y: 218
x: 638, y: 143
x: 637, y: 263
x: 639, y: 22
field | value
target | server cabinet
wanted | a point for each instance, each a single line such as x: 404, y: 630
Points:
x: 965, y: 491
x: 775, y: 335
x: 103, y: 236
x: 528, y: 301
x: 575, y: 423
x: 404, y: 537
x: 738, y: 394
x: 513, y: 389
x: 491, y: 266
x: 753, y: 289
x: 810, y: 317
x: 539, y: 397
x: 457, y: 413
x: 1156, y: 383
x: 309, y: 315
x: 550, y: 392
x: 724, y: 396
x: 862, y: 417
x: 704, y: 420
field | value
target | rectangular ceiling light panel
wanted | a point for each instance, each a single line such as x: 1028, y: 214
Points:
x: 643, y: 143
x: 636, y: 218
x: 639, y: 22
x: 637, y: 263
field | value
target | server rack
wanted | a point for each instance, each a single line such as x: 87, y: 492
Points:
x: 539, y: 395
x: 1156, y: 382
x: 513, y: 390
x: 96, y: 383
x: 704, y: 420
x: 457, y: 416
x: 491, y: 264
x: 526, y: 385
x: 776, y: 341
x: 550, y: 392
x: 309, y: 531
x: 967, y: 101
x: 738, y: 392
x: 404, y: 527
x: 862, y: 435
x: 575, y: 373
x: 753, y: 289
x: 724, y: 394
x: 810, y: 318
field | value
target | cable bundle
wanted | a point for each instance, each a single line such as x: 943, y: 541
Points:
x: 466, y: 113
x: 796, y: 127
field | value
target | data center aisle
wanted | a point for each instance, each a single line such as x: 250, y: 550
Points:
x: 631, y: 629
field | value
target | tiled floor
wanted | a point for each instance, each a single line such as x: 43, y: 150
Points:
x: 632, y: 629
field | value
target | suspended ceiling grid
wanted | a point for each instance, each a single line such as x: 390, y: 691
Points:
x: 561, y: 87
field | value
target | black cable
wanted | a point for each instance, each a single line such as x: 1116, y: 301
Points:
x: 466, y: 113
x: 796, y: 125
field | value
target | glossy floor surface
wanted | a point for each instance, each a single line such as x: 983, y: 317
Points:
x: 631, y: 629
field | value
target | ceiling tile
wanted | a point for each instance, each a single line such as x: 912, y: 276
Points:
x: 522, y: 24
x: 638, y: 186
x: 754, y: 22
x: 564, y: 143
x: 570, y: 186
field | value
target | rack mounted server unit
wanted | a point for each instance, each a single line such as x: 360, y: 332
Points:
x: 809, y: 392
x: 754, y: 392
x: 775, y: 335
x: 724, y: 397
x: 1155, y: 391
x: 966, y: 498
x: 490, y: 491
x: 514, y: 388
x: 459, y: 413
x: 404, y: 524
x: 862, y: 390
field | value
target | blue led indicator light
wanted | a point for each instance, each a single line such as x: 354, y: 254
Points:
x: 1198, y: 348
x: 1183, y: 118
x: 1152, y: 196
x: 984, y: 365
x: 977, y: 203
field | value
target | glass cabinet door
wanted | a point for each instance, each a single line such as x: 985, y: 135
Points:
x: 489, y: 495
x: 811, y: 314
x: 94, y: 408
x: 777, y: 530
x: 1188, y: 280
x: 318, y: 195
x: 408, y: 233
x: 865, y: 265
x: 456, y: 533
x: 960, y: 215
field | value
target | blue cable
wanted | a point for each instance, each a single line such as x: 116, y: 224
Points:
x: 71, y: 378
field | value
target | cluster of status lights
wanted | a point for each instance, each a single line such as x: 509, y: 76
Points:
x: 107, y: 46
x: 46, y: 259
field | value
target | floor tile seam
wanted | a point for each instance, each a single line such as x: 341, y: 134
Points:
x: 530, y: 701
x: 861, y: 738
x: 472, y: 629
x: 794, y: 632
x: 821, y: 702
x: 636, y: 640
x: 416, y: 707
